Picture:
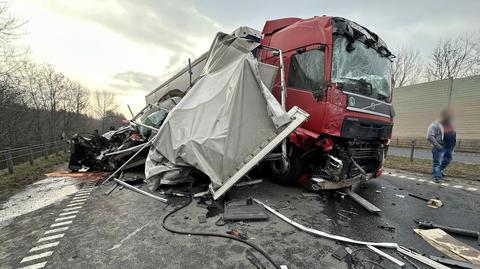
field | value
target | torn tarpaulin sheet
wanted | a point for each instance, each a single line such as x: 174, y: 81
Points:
x: 226, y: 116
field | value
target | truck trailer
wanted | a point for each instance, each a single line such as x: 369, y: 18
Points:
x: 339, y: 73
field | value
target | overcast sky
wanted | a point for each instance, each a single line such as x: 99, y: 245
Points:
x: 131, y: 46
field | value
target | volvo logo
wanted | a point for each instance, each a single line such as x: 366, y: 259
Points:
x: 351, y: 101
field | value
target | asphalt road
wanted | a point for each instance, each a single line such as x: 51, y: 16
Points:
x: 463, y: 157
x: 124, y: 230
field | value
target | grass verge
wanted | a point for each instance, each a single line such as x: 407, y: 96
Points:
x: 455, y: 169
x: 25, y: 174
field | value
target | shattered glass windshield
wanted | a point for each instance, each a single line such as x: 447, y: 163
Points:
x: 361, y: 69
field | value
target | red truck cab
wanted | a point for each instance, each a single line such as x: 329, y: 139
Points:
x: 338, y: 72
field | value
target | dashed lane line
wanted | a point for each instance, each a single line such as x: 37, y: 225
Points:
x: 68, y: 213
x: 52, y: 237
x: 444, y: 184
x: 61, y: 223
x: 41, y: 247
x: 79, y: 199
x: 52, y: 231
x: 72, y: 208
x: 37, y: 256
x: 84, y: 192
x: 65, y: 218
x: 75, y: 204
x: 35, y: 266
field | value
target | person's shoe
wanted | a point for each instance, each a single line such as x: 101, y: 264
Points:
x: 437, y: 180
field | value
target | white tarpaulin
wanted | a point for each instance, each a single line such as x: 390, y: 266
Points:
x: 224, y: 119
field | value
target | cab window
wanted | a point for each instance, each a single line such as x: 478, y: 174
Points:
x: 307, y: 70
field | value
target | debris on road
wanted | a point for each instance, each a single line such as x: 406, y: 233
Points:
x: 449, y: 245
x: 385, y: 255
x: 453, y: 262
x: 421, y: 258
x: 386, y: 227
x: 244, y: 210
x: 432, y: 203
x: 364, y: 203
x: 340, y: 253
x: 323, y: 234
x: 452, y: 230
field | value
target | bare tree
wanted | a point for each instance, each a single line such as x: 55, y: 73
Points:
x: 406, y: 67
x: 103, y: 104
x: 454, y: 58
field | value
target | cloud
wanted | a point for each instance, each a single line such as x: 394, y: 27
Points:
x: 174, y: 25
x: 133, y: 80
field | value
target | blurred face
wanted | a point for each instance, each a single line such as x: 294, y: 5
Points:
x: 447, y: 116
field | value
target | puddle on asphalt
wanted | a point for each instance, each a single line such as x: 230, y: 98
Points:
x: 36, y: 196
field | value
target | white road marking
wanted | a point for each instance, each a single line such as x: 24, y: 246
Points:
x: 35, y: 266
x: 75, y: 204
x: 50, y: 237
x: 79, y: 199
x: 68, y: 213
x: 37, y: 256
x: 65, y: 218
x: 61, y: 223
x: 84, y: 191
x: 441, y: 184
x: 82, y: 195
x: 72, y: 208
x: 52, y: 231
x: 49, y: 245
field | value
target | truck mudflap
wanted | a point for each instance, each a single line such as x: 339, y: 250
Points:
x: 315, y: 183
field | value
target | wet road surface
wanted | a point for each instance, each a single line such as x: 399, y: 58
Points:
x: 124, y: 230
x: 463, y: 157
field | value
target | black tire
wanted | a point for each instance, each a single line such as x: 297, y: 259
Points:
x: 291, y: 176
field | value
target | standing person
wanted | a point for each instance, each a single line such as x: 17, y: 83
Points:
x: 441, y: 134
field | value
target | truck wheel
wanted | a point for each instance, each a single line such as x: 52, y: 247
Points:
x: 289, y: 175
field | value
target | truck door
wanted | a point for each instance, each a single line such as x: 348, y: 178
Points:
x: 306, y: 83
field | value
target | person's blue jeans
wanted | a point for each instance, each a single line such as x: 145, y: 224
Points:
x: 441, y: 159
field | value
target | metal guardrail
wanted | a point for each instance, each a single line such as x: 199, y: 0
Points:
x: 9, y: 157
x: 463, y: 145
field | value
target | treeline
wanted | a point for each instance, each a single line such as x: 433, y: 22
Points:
x: 40, y: 104
x: 451, y: 58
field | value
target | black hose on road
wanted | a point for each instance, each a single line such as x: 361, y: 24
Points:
x: 257, y: 248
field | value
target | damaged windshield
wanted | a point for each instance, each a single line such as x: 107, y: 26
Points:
x: 361, y: 69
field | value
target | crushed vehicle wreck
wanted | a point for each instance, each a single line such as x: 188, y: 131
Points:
x: 336, y: 71
x: 224, y: 121
x: 108, y: 151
